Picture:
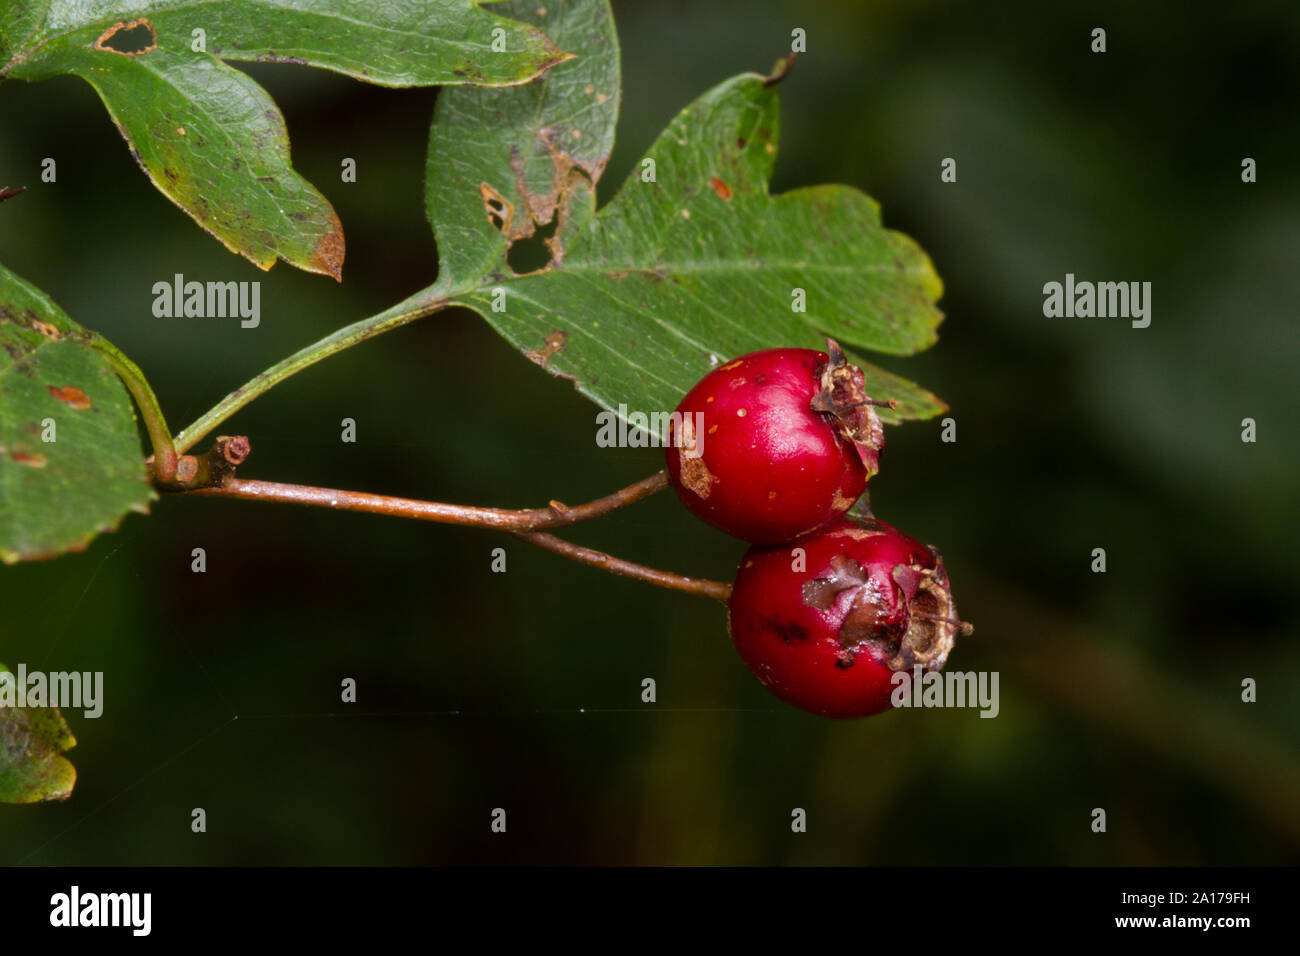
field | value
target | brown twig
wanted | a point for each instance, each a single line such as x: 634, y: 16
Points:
x: 703, y: 587
x: 556, y: 515
x: 525, y: 524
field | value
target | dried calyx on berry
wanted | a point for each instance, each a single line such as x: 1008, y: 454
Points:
x: 843, y: 395
x: 826, y: 623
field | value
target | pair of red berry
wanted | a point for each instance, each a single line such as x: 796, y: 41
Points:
x: 775, y: 447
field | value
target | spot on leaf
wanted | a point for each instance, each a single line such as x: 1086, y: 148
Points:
x: 327, y: 256
x: 31, y: 461
x: 554, y: 342
x: 71, y: 395
x: 47, y: 330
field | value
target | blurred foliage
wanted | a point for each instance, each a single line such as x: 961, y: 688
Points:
x: 32, y: 741
x: 1119, y: 690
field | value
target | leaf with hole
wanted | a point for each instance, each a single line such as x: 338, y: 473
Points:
x: 70, y: 459
x: 209, y: 137
x: 503, y: 165
x: 694, y: 261
x: 32, y: 743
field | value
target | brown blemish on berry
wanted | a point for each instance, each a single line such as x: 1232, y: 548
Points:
x: 721, y: 188
x: 787, y: 631
x: 695, y: 475
x: 872, y: 623
x: 844, y: 574
x: 71, y: 395
x: 736, y: 364
x: 872, y: 620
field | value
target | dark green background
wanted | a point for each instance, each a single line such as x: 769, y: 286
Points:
x: 1119, y: 691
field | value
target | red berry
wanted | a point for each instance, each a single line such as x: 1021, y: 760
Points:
x: 775, y: 444
x: 867, y: 601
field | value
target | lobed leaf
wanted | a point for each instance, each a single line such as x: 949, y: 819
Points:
x: 694, y: 261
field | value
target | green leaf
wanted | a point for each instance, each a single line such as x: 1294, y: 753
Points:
x: 209, y: 137
x: 55, y: 496
x: 675, y: 275
x: 32, y: 741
